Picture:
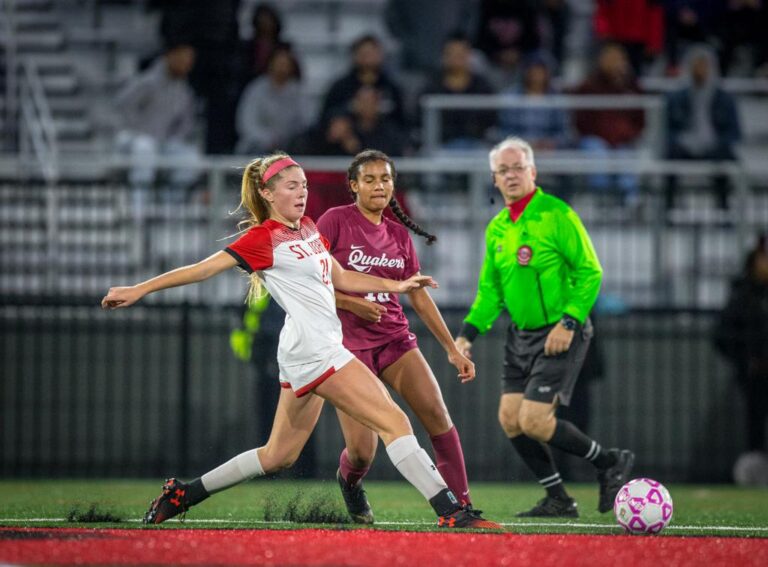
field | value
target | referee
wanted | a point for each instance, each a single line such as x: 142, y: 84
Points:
x: 540, y: 264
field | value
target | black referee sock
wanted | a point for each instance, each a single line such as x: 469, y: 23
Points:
x: 538, y: 458
x: 569, y: 438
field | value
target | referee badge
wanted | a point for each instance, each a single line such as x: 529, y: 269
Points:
x: 524, y: 254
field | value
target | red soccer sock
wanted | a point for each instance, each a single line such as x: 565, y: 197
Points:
x: 350, y: 473
x: 449, y: 459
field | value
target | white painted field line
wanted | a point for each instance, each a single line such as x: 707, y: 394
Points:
x: 412, y: 523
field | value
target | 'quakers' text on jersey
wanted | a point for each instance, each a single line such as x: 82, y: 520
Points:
x: 384, y: 250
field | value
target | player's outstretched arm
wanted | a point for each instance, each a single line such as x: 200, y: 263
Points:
x: 428, y: 312
x: 126, y: 296
x: 348, y: 280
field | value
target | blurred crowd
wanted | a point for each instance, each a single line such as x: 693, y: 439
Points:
x: 251, y: 98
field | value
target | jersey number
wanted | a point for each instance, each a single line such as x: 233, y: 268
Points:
x: 380, y: 297
x: 325, y: 265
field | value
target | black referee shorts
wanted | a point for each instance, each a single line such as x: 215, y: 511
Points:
x: 538, y: 377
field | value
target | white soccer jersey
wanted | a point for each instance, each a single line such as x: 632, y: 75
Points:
x: 296, y: 269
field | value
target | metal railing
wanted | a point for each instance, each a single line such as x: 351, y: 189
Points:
x: 39, y: 149
x: 745, y: 86
x: 38, y: 130
x: 651, y: 144
x: 662, y: 259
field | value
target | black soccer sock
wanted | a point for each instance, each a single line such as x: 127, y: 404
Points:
x: 444, y: 503
x: 196, y: 492
x: 569, y: 438
x: 538, y: 458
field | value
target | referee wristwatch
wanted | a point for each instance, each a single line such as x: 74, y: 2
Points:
x: 569, y: 322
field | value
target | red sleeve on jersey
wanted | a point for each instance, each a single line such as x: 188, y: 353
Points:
x: 253, y: 250
x: 325, y: 242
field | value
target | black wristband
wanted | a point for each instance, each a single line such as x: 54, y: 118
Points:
x: 469, y: 331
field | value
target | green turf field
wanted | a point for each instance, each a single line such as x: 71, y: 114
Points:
x: 699, y: 510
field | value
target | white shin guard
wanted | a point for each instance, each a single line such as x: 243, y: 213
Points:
x: 416, y: 466
x: 245, y: 466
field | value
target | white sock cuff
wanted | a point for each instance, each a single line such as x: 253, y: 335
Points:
x: 249, y: 464
x: 401, y: 448
x: 242, y: 467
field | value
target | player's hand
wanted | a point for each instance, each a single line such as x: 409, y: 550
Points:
x: 558, y: 340
x: 121, y: 297
x: 415, y: 282
x: 368, y: 310
x: 465, y: 366
x: 465, y: 346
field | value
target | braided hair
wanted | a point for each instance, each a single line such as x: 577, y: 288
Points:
x: 367, y: 156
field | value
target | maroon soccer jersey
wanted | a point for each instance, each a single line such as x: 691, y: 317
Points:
x: 385, y: 250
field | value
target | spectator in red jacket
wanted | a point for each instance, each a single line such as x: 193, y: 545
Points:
x: 604, y: 131
x: 613, y: 76
x: 636, y: 25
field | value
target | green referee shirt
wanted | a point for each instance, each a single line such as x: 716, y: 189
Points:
x: 540, y: 267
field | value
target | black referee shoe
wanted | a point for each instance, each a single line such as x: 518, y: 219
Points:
x: 356, y: 501
x: 549, y: 507
x: 613, y: 478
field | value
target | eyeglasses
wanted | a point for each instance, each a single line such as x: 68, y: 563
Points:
x: 516, y: 169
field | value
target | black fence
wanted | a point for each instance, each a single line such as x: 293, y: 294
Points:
x: 155, y: 390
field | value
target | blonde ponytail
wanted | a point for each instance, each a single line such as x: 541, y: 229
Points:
x: 256, y: 210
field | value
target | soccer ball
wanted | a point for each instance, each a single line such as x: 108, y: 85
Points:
x: 643, y: 506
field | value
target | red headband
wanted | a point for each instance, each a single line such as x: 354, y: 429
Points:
x: 277, y: 167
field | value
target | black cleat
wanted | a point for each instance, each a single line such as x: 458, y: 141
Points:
x: 356, y: 501
x: 613, y: 478
x: 549, y: 507
x: 467, y: 517
x: 171, y: 502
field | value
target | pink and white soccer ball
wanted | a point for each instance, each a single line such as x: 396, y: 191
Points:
x: 643, y: 506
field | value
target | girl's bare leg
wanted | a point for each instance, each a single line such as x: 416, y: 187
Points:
x: 412, y: 378
x: 358, y: 393
x: 295, y: 419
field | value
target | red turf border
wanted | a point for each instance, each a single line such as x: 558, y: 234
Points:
x: 80, y: 546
